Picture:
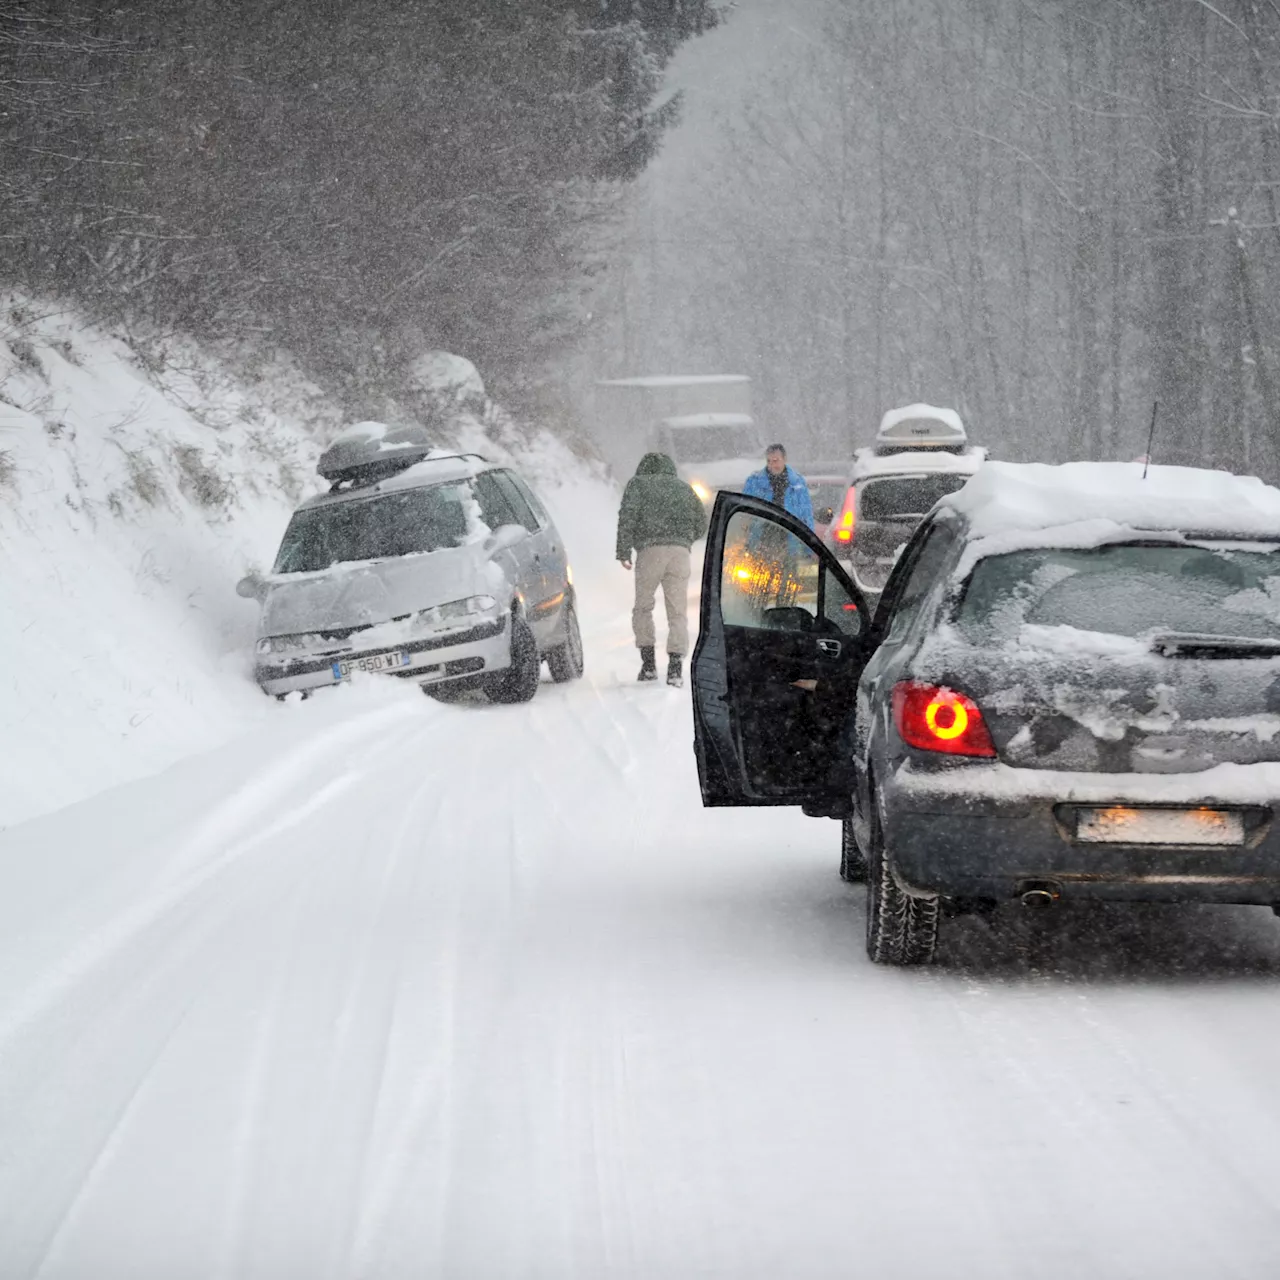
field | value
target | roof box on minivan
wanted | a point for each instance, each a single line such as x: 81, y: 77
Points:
x: 921, y: 426
x: 372, y: 451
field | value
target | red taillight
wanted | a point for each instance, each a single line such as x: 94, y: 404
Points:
x: 844, y: 530
x: 932, y: 718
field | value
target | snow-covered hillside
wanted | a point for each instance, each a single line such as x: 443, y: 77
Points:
x: 138, y: 480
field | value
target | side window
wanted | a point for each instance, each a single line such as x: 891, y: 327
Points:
x: 838, y: 607
x: 495, y: 509
x: 517, y: 501
x: 764, y: 569
x: 530, y: 497
x: 921, y: 576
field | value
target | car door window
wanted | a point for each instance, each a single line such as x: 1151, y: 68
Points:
x: 772, y: 581
x: 921, y: 576
x: 764, y: 569
x: 519, y: 504
x: 495, y: 508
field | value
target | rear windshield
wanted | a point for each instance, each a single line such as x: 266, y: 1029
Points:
x: 902, y: 497
x: 393, y: 524
x: 1129, y: 590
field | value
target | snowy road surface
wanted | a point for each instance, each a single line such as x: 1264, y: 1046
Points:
x: 399, y: 989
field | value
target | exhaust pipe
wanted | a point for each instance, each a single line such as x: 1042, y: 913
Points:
x: 1039, y: 893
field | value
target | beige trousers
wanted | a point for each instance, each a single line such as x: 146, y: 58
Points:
x: 667, y: 567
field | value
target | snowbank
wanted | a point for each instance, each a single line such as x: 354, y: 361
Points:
x: 138, y: 482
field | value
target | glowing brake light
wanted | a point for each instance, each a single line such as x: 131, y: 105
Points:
x: 930, y: 717
x: 844, y: 530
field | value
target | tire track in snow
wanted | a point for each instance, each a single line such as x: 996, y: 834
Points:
x: 211, y: 861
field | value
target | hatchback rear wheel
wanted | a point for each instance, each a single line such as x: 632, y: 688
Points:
x: 853, y: 866
x: 901, y: 929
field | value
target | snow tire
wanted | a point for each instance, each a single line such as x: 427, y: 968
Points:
x: 901, y: 929
x: 565, y: 661
x: 519, y: 682
x: 853, y: 866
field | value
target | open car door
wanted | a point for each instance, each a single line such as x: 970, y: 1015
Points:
x: 783, y: 639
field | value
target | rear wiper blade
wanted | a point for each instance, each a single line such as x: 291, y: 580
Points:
x: 1189, y: 644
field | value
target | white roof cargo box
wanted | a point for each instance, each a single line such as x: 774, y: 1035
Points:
x: 921, y: 426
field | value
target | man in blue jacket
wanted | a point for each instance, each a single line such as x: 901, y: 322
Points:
x: 777, y: 482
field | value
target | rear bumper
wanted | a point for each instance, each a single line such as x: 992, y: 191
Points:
x: 989, y: 831
x: 431, y: 661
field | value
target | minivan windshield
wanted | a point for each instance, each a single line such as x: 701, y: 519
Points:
x: 393, y: 524
x: 1129, y: 590
x: 905, y: 497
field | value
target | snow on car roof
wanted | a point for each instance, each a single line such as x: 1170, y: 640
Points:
x: 867, y: 462
x: 436, y: 467
x: 675, y: 380
x: 1090, y: 503
x: 953, y: 427
x: 684, y: 420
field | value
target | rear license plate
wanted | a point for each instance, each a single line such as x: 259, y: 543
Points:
x: 375, y: 662
x: 1119, y: 825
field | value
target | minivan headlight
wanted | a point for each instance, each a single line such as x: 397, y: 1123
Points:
x: 456, y: 609
x: 287, y: 644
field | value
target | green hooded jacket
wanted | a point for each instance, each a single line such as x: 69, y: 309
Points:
x: 658, y: 508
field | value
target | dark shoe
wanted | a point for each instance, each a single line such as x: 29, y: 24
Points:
x: 675, y: 670
x: 648, y: 665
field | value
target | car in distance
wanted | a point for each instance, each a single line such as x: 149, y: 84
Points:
x: 440, y: 568
x: 921, y: 453
x: 1067, y: 693
x: 828, y: 485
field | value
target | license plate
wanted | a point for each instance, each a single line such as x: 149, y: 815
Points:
x: 375, y: 662
x: 1118, y: 825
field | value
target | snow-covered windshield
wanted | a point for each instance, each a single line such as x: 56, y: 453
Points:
x: 1128, y: 590
x: 393, y: 524
x: 902, y: 497
x: 709, y: 444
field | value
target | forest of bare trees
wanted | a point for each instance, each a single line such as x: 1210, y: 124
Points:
x: 1050, y: 213
x: 351, y: 182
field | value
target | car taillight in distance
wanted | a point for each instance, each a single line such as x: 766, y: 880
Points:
x: 843, y: 528
x: 934, y: 718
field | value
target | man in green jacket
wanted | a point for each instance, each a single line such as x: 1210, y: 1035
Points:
x: 661, y: 518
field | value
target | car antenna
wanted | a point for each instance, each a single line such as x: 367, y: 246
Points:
x: 1151, y: 435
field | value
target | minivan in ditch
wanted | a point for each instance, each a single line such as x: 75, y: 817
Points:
x: 420, y: 564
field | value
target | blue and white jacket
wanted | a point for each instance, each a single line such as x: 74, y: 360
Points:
x: 795, y: 501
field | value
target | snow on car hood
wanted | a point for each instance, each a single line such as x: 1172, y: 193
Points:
x: 372, y: 591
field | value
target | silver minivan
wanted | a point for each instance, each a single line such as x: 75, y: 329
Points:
x: 444, y: 569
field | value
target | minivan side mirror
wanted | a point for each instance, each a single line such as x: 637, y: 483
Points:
x: 504, y: 536
x: 252, y: 586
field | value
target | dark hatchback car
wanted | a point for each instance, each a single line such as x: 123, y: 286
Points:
x: 1070, y: 689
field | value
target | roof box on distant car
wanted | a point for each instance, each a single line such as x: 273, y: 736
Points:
x: 921, y: 426
x: 371, y: 451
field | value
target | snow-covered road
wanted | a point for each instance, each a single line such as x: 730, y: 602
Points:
x: 399, y: 989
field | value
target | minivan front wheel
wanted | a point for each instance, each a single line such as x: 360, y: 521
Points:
x: 565, y: 661
x: 519, y: 682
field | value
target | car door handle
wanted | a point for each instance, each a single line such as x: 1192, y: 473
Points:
x: 830, y: 647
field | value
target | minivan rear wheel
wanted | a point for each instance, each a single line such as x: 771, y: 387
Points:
x: 519, y: 682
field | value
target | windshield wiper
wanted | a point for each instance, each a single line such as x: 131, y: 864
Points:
x: 1189, y: 644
